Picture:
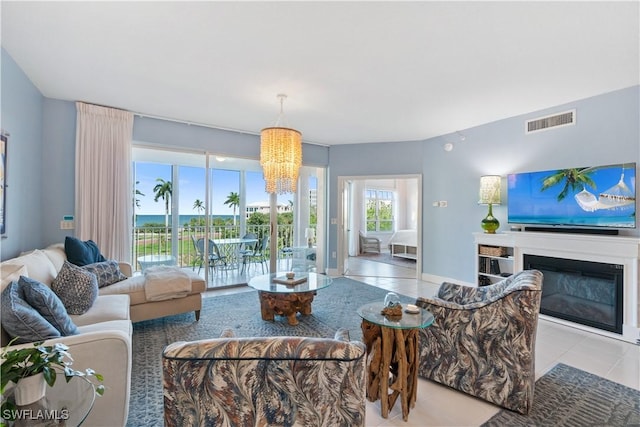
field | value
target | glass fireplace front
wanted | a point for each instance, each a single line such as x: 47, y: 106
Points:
x: 589, y: 293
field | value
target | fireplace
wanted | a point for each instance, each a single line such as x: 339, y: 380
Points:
x: 589, y: 293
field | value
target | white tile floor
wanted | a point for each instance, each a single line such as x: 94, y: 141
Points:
x: 440, y: 406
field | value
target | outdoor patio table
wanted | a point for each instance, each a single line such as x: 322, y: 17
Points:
x: 230, y: 248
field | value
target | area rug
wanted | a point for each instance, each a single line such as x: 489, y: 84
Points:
x: 386, y: 258
x: 566, y: 396
x: 334, y: 307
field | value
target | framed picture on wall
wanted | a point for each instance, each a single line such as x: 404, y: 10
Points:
x: 3, y: 182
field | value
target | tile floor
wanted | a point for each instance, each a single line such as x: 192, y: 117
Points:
x: 440, y: 406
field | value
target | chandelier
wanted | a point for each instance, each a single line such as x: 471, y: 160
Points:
x: 280, y: 155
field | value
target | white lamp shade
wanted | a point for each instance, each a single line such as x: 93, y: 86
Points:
x: 490, y: 190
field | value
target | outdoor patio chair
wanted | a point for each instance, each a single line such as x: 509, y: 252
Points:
x: 215, y: 258
x: 259, y: 254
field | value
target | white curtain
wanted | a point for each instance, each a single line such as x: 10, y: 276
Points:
x: 103, y: 192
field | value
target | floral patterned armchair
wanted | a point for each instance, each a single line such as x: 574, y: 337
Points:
x: 264, y: 381
x: 482, y: 341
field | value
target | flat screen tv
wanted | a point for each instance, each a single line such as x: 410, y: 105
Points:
x: 595, y: 196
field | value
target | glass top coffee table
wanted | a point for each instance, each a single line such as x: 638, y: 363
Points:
x: 287, y: 299
x: 394, y: 343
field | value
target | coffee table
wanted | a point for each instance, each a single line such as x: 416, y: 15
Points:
x: 392, y: 348
x: 287, y: 300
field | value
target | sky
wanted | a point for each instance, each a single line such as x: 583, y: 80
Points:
x: 192, y: 187
x: 525, y: 197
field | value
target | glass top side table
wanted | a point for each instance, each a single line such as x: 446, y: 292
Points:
x: 66, y: 403
x: 372, y: 312
x: 392, y: 342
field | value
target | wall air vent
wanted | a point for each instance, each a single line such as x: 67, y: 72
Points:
x: 566, y: 118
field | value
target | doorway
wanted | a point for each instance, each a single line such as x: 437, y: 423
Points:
x: 365, y: 204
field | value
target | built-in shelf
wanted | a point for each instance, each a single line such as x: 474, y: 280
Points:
x: 621, y: 250
x: 403, y: 251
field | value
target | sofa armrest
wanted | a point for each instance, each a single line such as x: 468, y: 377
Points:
x: 126, y: 268
x: 108, y: 352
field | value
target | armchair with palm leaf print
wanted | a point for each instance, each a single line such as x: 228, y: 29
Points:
x: 482, y: 341
x: 283, y: 381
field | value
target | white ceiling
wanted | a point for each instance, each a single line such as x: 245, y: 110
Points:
x: 353, y: 71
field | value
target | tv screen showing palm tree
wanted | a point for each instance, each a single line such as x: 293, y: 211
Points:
x: 594, y: 196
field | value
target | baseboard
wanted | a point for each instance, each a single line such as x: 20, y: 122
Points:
x: 432, y: 278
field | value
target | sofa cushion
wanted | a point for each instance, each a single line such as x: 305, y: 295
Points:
x: 106, y: 308
x: 21, y: 320
x: 47, y: 303
x: 56, y: 255
x: 132, y: 286
x: 77, y: 288
x: 123, y: 326
x: 107, y: 272
x: 38, y: 266
x: 10, y: 273
x: 82, y: 253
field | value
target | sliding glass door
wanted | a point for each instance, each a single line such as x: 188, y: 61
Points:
x: 193, y: 210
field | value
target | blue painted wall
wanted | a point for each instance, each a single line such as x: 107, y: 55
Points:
x: 21, y: 116
x: 607, y: 131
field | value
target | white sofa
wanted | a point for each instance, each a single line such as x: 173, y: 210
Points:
x: 104, y: 341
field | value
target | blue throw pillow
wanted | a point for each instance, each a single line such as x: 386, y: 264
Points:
x: 76, y: 288
x: 46, y: 302
x: 21, y: 320
x: 82, y: 253
x: 107, y: 272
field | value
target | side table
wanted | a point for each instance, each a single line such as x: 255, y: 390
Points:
x: 392, y: 348
x: 66, y: 403
x: 153, y: 260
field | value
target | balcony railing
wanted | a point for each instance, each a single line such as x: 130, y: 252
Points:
x: 157, y: 240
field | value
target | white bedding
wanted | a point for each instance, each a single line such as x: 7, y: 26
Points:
x: 405, y: 238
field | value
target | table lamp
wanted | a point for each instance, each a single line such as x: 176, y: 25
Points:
x: 309, y: 234
x: 490, y: 195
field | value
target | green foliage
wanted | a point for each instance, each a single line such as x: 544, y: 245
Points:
x: 570, y: 179
x: 49, y: 360
x: 258, y: 218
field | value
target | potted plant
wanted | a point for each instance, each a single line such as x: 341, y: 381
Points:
x: 39, y: 365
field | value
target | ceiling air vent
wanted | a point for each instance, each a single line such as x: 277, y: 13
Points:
x: 566, y: 118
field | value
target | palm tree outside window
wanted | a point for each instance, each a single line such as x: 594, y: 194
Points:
x: 163, y: 191
x: 233, y: 201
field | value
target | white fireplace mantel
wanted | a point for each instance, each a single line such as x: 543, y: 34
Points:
x: 608, y: 249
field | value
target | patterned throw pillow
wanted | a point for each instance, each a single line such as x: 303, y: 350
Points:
x: 46, y: 302
x: 107, y: 272
x: 77, y: 288
x: 21, y: 320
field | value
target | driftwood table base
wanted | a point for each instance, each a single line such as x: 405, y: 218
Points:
x: 285, y: 305
x: 392, y: 366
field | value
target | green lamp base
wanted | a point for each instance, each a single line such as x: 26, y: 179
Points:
x: 490, y: 223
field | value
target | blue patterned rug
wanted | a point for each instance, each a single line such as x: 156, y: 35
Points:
x: 568, y: 397
x: 333, y: 308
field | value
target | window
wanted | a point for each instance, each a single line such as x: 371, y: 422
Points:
x: 380, y: 213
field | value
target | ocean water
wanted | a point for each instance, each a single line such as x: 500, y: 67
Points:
x: 184, y: 219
